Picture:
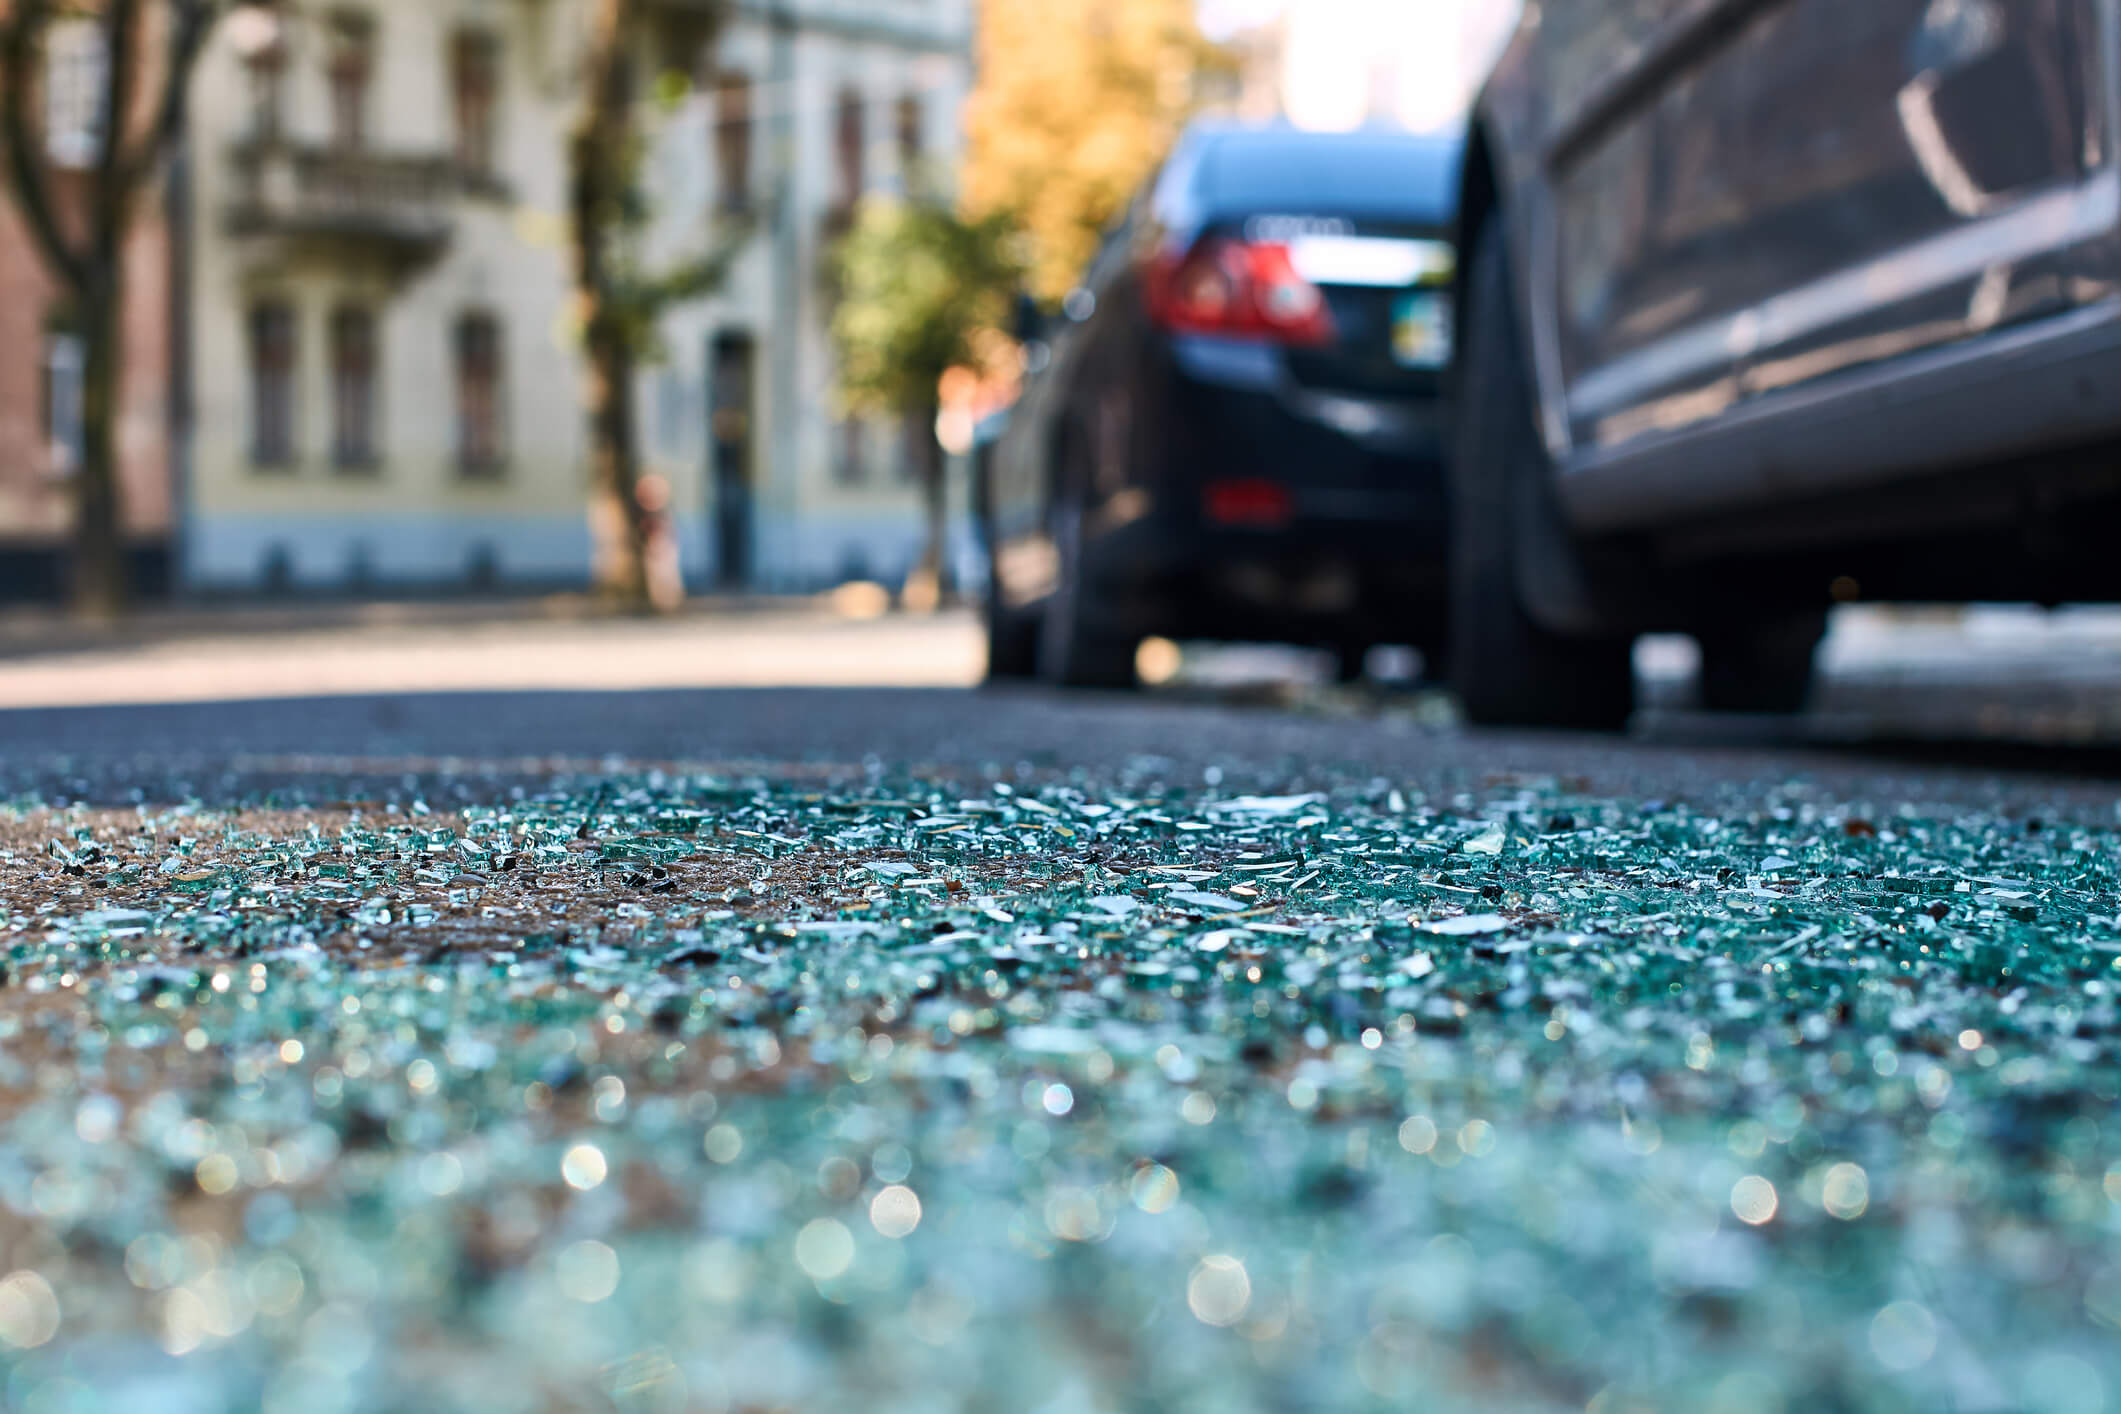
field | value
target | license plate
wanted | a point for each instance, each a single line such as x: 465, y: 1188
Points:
x: 1421, y: 329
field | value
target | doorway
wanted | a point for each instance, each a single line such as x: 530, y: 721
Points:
x: 731, y: 396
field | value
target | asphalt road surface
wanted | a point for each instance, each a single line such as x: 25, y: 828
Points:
x: 471, y: 745
x: 2012, y: 716
x: 1991, y: 705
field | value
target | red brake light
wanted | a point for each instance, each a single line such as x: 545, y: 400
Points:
x: 1206, y: 290
x: 1251, y: 501
x: 1237, y: 288
x: 1286, y: 299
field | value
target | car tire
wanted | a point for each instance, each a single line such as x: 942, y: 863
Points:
x: 1762, y: 667
x: 1351, y: 664
x: 1079, y: 645
x: 1012, y: 643
x: 1507, y: 667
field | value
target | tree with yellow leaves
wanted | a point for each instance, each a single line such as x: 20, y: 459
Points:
x: 1077, y: 103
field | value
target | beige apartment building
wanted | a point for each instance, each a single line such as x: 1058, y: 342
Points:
x: 384, y: 389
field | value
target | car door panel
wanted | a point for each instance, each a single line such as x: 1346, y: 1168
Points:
x: 1574, y: 87
x: 1834, y: 184
x: 1019, y: 471
x: 2095, y: 275
x: 1072, y: 422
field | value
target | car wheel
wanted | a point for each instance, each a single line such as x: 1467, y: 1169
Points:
x: 1078, y: 643
x: 1012, y: 642
x: 1351, y: 663
x: 1761, y: 667
x: 1508, y: 668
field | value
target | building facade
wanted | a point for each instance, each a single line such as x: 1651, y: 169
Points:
x: 386, y: 393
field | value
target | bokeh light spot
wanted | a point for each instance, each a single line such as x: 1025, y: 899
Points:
x: 587, y: 1271
x: 895, y: 1211
x: 1846, y: 1191
x: 1753, y: 1199
x: 1903, y: 1335
x: 583, y: 1167
x: 29, y: 1310
x: 824, y: 1249
x: 1219, y: 1290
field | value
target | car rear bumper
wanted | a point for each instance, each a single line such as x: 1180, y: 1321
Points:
x: 1359, y: 550
x: 1373, y: 580
x: 1238, y: 401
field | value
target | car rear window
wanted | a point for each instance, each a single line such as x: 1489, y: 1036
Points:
x: 1356, y: 174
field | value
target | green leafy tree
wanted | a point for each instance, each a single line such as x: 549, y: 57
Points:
x: 79, y: 223
x: 619, y: 298
x: 1077, y: 103
x: 919, y: 286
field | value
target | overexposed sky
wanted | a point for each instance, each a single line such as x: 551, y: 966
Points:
x: 1348, y: 61
x: 1223, y: 18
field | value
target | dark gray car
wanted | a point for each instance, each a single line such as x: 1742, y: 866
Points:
x: 1238, y: 430
x: 1773, y: 304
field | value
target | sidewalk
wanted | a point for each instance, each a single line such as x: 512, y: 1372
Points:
x: 30, y: 630
x: 216, y: 654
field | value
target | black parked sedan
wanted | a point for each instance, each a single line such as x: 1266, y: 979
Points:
x: 1773, y: 304
x: 1237, y: 430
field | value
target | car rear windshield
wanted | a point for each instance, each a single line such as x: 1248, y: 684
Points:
x: 1354, y: 174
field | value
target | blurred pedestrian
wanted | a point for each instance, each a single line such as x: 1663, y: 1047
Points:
x: 662, y: 566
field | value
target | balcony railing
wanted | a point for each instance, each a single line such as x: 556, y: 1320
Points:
x: 404, y: 204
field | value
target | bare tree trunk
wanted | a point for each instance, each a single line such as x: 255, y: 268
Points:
x: 616, y: 512
x: 618, y: 522
x: 99, y: 581
x: 87, y: 261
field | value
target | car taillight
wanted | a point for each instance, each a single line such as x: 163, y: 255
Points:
x: 1237, y: 288
x: 1252, y: 502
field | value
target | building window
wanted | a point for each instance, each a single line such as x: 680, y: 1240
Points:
x: 259, y: 35
x: 852, y: 464
x: 63, y: 364
x: 76, y: 70
x: 912, y: 139
x: 272, y: 385
x: 847, y: 142
x: 475, y: 74
x: 353, y: 389
x: 481, y: 419
x: 350, y: 64
x: 732, y: 142
x: 265, y: 71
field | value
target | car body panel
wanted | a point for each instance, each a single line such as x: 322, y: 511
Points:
x: 1726, y: 210
x: 1726, y: 240
x: 1137, y: 419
